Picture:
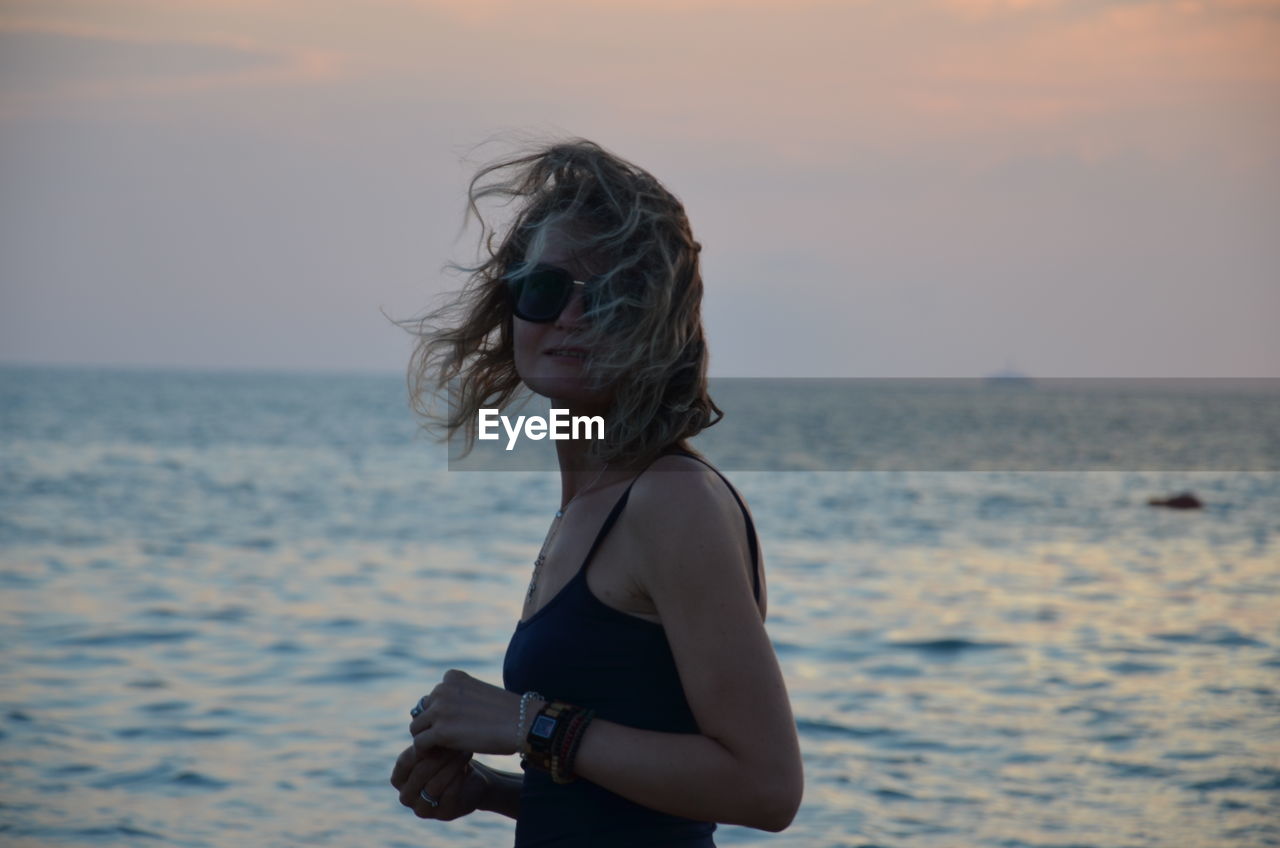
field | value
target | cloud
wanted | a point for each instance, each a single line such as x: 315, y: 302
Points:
x: 992, y: 7
x: 44, y: 64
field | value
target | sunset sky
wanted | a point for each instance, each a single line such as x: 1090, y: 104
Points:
x: 882, y: 187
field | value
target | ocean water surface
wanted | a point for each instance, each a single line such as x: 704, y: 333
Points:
x: 220, y: 593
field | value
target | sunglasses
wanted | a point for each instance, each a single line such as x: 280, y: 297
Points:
x: 541, y: 292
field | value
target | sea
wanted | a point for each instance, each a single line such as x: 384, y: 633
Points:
x: 220, y: 593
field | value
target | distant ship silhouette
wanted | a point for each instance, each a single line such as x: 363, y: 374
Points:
x: 1008, y: 376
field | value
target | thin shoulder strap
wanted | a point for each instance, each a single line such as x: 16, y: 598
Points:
x: 611, y: 520
x: 752, y: 540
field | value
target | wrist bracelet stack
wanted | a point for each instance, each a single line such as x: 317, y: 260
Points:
x: 554, y: 738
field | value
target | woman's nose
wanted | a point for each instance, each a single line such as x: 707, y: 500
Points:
x: 573, y: 311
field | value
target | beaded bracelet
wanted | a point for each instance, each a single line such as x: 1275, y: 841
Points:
x: 521, y: 746
x: 568, y: 750
x: 562, y: 739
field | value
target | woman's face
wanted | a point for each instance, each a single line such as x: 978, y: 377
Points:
x: 549, y: 360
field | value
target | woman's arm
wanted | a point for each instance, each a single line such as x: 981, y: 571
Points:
x: 503, y: 792
x: 744, y: 766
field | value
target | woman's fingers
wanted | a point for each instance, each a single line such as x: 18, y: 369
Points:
x: 436, y: 792
x: 404, y: 765
x: 443, y: 788
x: 409, y: 760
x: 442, y: 783
x: 433, y: 773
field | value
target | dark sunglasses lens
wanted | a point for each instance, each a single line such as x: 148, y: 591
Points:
x: 542, y: 294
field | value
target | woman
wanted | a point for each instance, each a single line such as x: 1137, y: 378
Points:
x: 640, y: 685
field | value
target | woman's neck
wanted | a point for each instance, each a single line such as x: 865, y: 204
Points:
x: 579, y: 471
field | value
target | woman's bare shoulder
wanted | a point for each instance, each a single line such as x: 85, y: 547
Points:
x: 687, y: 526
x: 684, y: 490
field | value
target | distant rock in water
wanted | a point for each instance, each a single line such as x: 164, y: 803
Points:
x: 1185, y: 500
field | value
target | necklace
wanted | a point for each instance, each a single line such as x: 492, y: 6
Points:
x: 553, y: 530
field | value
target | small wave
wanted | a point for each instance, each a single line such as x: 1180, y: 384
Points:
x: 894, y: 671
x: 1099, y: 714
x: 99, y: 835
x: 129, y: 637
x: 947, y: 646
x: 172, y: 732
x: 1082, y: 686
x: 161, y: 612
x: 154, y: 774
x: 352, y: 671
x: 1138, y: 770
x: 788, y: 648
x: 1034, y: 796
x: 196, y: 780
x: 147, y: 683
x: 1003, y: 506
x: 838, y: 655
x: 86, y: 659
x: 232, y: 613
x: 1259, y: 779
x: 1023, y: 757
x: 811, y: 727
x: 1224, y: 636
x: 918, y: 744
x: 11, y: 579
x: 162, y: 776
x: 163, y: 548
x: 1132, y: 668
x: 462, y: 575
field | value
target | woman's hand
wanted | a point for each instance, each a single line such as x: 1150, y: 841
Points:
x: 465, y: 714
x: 450, y: 777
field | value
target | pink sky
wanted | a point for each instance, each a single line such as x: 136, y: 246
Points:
x: 884, y: 187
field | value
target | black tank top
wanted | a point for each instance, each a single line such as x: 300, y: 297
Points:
x: 578, y: 649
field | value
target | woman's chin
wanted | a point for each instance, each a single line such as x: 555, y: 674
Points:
x: 575, y: 391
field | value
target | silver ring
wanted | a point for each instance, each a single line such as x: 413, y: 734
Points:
x: 426, y: 796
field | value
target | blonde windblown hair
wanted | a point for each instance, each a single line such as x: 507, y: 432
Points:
x: 645, y: 325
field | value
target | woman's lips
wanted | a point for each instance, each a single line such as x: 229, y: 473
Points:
x: 566, y: 353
